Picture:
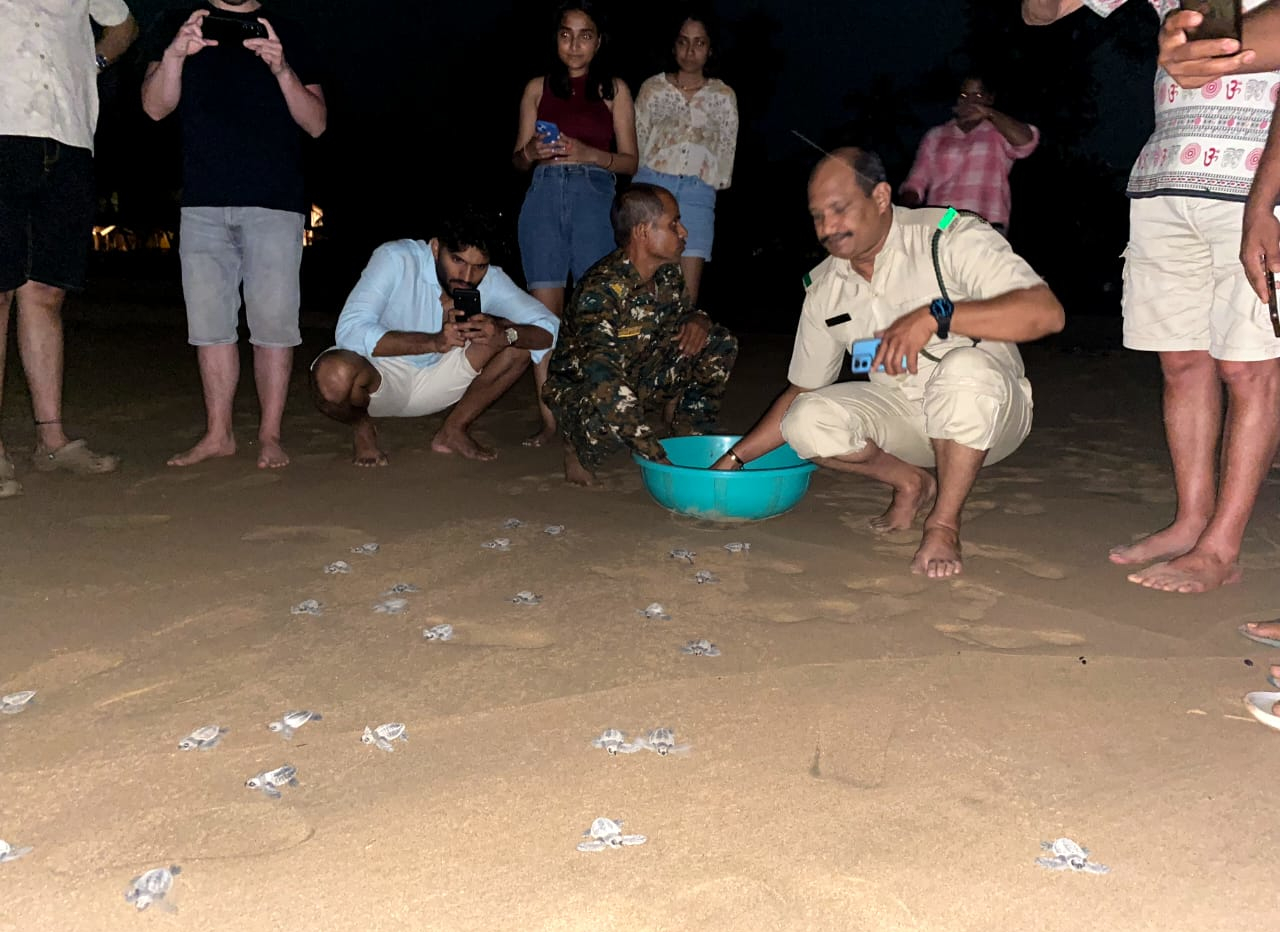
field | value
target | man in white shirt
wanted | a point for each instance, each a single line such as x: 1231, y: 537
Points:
x: 48, y: 113
x: 405, y: 350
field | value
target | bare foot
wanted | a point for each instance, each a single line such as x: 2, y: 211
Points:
x: 1172, y: 542
x: 541, y: 438
x: 271, y: 455
x: 906, y: 504
x: 365, y: 445
x: 574, y: 471
x: 208, y: 448
x: 1263, y: 629
x: 1191, y: 572
x: 450, y: 440
x: 938, y: 556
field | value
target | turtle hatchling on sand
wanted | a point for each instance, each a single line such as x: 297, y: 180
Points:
x: 525, y: 597
x: 292, y: 721
x: 369, y: 548
x: 615, y: 742
x: 554, y: 530
x: 705, y: 576
x: 511, y: 524
x: 662, y: 741
x: 701, y: 648
x: 392, y: 606
x: 401, y: 588
x: 308, y: 607
x: 737, y: 547
x: 606, y: 833
x: 682, y: 554
x: 14, y: 703
x: 337, y: 567
x: 9, y: 853
x: 203, y: 738
x: 1067, y: 855
x: 500, y: 544
x: 654, y: 610
x: 383, y: 735
x: 270, y: 781
x: 152, y: 887
x: 438, y: 633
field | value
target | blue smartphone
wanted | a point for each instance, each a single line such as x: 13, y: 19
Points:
x: 548, y: 132
x: 863, y: 352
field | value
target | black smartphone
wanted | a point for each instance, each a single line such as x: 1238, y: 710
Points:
x: 231, y: 30
x: 1222, y: 18
x: 466, y: 301
x: 1271, y: 303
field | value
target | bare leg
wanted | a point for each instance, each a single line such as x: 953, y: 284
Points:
x: 691, y: 266
x: 40, y: 345
x: 912, y: 486
x: 574, y: 471
x: 219, y: 374
x: 939, y: 553
x: 272, y: 366
x: 553, y: 298
x: 1253, y: 391
x: 1192, y: 423
x: 6, y: 302
x: 497, y: 374
x: 341, y: 383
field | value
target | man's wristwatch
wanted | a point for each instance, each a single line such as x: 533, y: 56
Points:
x: 512, y: 335
x: 941, y: 309
x: 101, y: 61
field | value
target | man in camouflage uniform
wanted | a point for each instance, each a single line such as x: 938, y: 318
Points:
x: 629, y: 344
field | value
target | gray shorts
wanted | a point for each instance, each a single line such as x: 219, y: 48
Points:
x: 222, y: 247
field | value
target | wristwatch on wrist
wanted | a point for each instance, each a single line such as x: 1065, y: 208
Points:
x: 101, y: 61
x: 941, y: 309
x: 512, y: 335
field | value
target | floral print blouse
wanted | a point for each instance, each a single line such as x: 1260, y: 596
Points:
x: 697, y: 136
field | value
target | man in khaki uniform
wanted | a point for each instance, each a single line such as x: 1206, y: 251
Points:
x: 953, y: 394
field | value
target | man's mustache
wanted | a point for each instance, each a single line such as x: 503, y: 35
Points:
x: 832, y: 238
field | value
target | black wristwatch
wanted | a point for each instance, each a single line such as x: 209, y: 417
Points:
x: 941, y: 309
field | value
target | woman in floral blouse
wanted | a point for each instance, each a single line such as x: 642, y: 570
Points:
x: 687, y: 128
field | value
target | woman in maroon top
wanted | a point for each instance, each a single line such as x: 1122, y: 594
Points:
x: 564, y: 224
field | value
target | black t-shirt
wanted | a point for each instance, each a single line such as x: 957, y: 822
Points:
x: 240, y: 146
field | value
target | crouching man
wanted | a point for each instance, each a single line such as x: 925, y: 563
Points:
x: 405, y: 351
x: 953, y: 394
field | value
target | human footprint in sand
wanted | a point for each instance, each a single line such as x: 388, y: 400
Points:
x: 953, y: 394
x: 406, y: 349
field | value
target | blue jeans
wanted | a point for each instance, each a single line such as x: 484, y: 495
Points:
x: 564, y: 226
x: 697, y: 201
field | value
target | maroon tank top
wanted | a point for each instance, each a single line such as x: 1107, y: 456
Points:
x: 587, y: 120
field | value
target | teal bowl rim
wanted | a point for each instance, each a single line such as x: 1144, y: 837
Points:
x: 732, y: 475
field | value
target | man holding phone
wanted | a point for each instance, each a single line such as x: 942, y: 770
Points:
x: 430, y: 325
x: 247, y: 93
x: 1187, y: 297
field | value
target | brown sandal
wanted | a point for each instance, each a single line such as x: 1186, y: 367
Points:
x: 76, y: 458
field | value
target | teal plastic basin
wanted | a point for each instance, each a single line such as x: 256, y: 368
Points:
x: 768, y: 486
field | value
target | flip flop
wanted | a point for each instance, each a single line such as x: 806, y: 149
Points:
x: 76, y: 458
x: 1258, y: 638
x: 1260, y: 705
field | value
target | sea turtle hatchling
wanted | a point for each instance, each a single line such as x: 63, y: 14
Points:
x: 307, y: 607
x: 499, y: 544
x: 705, y: 576
x: 701, y: 648
x: 270, y: 781
x: 654, y: 610
x: 292, y: 721
x: 553, y: 530
x: 14, y: 703
x: 383, y: 735
x: 401, y: 588
x: 337, y: 567
x: 737, y: 547
x: 392, y: 606
x: 615, y: 742
x: 682, y: 554
x: 438, y: 633
x: 367, y: 549
x: 152, y: 887
x: 1067, y: 855
x: 606, y: 833
x: 9, y: 853
x: 662, y: 741
x: 202, y: 739
x: 525, y: 597
x: 511, y: 524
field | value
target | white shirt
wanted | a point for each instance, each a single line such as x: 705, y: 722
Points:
x: 48, y: 76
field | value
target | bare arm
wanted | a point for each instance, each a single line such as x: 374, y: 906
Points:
x: 626, y: 159
x: 305, y: 101
x: 766, y: 435
x: 1015, y: 131
x: 530, y: 149
x: 1260, y: 240
x: 162, y: 84
x: 411, y: 343
x: 1044, y: 12
x: 116, y: 39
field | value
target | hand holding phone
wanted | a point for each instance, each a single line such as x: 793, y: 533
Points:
x: 466, y: 301
x: 547, y: 132
x: 1222, y: 19
x: 1271, y: 303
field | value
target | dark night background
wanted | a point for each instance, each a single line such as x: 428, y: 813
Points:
x: 422, y: 112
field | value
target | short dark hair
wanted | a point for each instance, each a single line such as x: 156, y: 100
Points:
x: 867, y: 167
x: 469, y: 228
x: 638, y: 205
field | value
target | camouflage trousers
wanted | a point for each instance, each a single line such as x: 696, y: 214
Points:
x: 600, y: 418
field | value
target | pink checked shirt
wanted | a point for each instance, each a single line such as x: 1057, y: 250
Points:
x: 968, y: 171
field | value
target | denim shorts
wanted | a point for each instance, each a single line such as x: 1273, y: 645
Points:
x: 697, y: 201
x: 564, y: 224
x: 46, y: 212
x: 222, y: 247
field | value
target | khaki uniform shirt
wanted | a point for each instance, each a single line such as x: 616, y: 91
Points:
x: 976, y: 264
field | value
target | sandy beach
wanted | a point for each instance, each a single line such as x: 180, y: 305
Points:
x: 870, y: 751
